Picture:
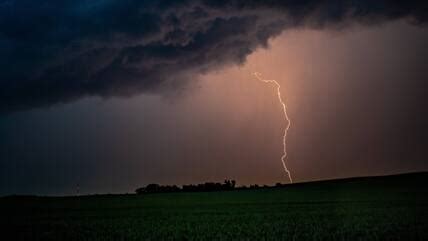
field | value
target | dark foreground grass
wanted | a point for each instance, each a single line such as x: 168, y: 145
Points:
x: 384, y: 208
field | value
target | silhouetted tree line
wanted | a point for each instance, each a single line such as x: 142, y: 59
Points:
x: 203, y: 187
x: 156, y: 188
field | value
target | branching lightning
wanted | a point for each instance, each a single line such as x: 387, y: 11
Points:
x: 287, y: 119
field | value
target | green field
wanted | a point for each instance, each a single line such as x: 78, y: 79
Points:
x: 381, y: 208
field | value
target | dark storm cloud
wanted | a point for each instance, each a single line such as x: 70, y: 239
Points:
x: 58, y: 51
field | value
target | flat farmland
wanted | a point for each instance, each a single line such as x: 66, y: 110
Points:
x: 375, y: 208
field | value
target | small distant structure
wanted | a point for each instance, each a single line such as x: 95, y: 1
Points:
x: 78, y: 190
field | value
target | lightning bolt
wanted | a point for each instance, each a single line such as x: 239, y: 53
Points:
x: 287, y: 119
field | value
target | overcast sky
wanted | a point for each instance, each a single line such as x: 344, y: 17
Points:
x: 166, y: 95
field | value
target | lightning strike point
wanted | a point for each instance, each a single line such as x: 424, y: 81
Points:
x: 287, y: 119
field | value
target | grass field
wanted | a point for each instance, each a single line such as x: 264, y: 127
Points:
x: 379, y: 208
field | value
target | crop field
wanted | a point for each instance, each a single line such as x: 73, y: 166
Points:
x: 381, y: 208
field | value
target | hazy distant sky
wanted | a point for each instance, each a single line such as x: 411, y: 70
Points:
x: 116, y: 105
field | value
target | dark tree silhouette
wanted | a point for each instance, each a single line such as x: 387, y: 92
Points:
x: 203, y: 187
x: 227, y: 185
